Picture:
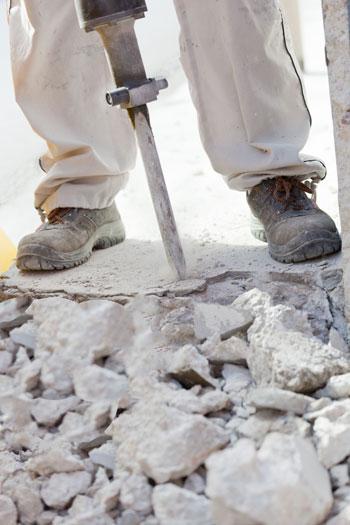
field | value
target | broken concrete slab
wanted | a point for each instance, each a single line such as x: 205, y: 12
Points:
x: 128, y: 270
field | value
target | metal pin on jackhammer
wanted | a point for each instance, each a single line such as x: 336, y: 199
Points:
x: 114, y: 20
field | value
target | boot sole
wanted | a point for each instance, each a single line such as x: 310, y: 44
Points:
x: 30, y: 257
x: 299, y: 250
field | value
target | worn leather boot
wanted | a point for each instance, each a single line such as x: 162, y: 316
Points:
x: 68, y: 237
x: 290, y: 222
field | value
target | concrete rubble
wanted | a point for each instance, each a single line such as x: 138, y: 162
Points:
x: 172, y: 411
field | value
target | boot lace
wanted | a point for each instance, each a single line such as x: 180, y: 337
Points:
x: 283, y: 191
x: 57, y: 215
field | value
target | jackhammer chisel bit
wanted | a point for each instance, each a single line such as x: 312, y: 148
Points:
x: 114, y: 20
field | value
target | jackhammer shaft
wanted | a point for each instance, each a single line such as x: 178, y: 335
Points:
x: 114, y: 20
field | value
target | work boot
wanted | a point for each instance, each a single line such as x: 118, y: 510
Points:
x: 68, y: 237
x: 290, y: 221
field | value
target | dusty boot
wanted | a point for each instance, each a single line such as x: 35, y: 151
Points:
x: 290, y: 222
x: 68, y: 238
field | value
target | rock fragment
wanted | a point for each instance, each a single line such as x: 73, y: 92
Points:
x: 84, y: 511
x: 16, y: 411
x: 150, y: 520
x: 177, y: 326
x: 79, y: 342
x: 49, y: 411
x: 165, y: 443
x: 343, y: 518
x: 232, y: 351
x: 14, y: 312
x: 76, y: 429
x: 108, y: 495
x: 190, y: 368
x: 136, y: 494
x: 258, y: 425
x: 225, y: 321
x: 129, y: 517
x: 5, y: 361
x: 340, y: 475
x: 25, y: 493
x: 293, y: 361
x: 99, y: 413
x: 46, y: 518
x: 7, y: 385
x: 338, y: 386
x: 195, y: 483
x: 54, y: 457
x: 337, y: 341
x: 105, y: 455
x: 191, y: 401
x: 250, y: 486
x: 332, y: 439
x: 60, y: 489
x: 238, y: 381
x: 277, y: 399
x: 25, y: 335
x: 214, y: 401
x: 94, y: 383
x: 9, y: 464
x: 28, y: 375
x: 331, y: 411
x: 255, y: 302
x: 76, y: 324
x: 283, y: 352
x: 173, y: 505
x: 8, y: 511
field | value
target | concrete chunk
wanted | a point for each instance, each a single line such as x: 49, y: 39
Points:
x: 250, y: 486
x: 162, y: 442
x: 174, y: 505
x: 277, y: 399
x: 210, y: 319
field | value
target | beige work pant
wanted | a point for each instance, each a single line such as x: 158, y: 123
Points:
x: 244, y: 81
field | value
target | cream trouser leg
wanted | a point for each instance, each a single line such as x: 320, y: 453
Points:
x: 246, y: 87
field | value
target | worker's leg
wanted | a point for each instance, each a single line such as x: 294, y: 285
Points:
x: 247, y: 89
x: 254, y: 119
x: 60, y: 77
